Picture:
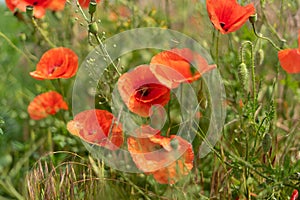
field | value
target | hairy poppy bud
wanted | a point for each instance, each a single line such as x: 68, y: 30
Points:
x: 93, y: 28
x: 267, y: 142
x: 243, y: 75
x: 29, y: 11
x: 253, y: 18
x: 92, y: 7
x: 261, y: 56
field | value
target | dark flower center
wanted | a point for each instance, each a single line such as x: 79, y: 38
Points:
x: 143, y: 91
x: 222, y: 24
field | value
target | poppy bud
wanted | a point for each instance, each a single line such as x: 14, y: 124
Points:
x: 267, y: 142
x: 261, y: 56
x: 92, y: 7
x: 253, y: 18
x: 282, y: 43
x: 243, y: 75
x: 93, y: 28
x: 174, y: 143
x: 29, y: 11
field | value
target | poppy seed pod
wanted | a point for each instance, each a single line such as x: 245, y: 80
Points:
x: 243, y: 75
x: 93, y: 28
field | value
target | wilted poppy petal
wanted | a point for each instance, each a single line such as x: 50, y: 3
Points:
x: 178, y: 66
x: 85, y: 3
x: 168, y: 159
x: 227, y: 15
x: 56, y: 63
x: 45, y: 104
x: 97, y: 127
x: 140, y: 90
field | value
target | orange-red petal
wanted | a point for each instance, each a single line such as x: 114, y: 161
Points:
x: 45, y: 104
x: 178, y: 66
x: 56, y: 63
x: 97, y: 127
x: 155, y: 154
x: 227, y: 15
x: 140, y: 90
x: 290, y: 60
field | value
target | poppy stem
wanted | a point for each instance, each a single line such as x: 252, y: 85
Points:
x: 14, y: 46
x: 217, y: 48
x: 81, y: 11
x: 105, y: 53
x: 259, y: 35
x: 36, y: 26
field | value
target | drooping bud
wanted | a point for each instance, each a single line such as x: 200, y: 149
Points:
x: 29, y: 11
x: 93, y: 28
x: 243, y: 76
x: 253, y: 18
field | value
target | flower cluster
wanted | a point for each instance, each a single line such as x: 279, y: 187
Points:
x: 166, y: 158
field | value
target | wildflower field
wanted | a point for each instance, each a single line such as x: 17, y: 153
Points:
x: 148, y: 99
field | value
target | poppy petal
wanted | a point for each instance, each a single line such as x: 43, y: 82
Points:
x: 56, y: 63
x: 290, y: 60
x: 228, y: 16
x: 178, y: 66
x: 157, y: 155
x: 140, y: 90
x: 45, y: 104
x: 97, y: 127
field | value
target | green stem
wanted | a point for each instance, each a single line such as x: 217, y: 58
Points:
x: 14, y: 46
x: 105, y: 53
x: 42, y: 33
x: 217, y: 48
x: 265, y: 38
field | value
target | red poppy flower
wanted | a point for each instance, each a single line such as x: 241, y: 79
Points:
x: 140, y: 90
x: 85, y: 3
x: 97, y: 127
x: 45, y: 104
x: 290, y: 58
x: 40, y: 6
x: 227, y: 15
x: 56, y: 63
x: 177, y: 66
x: 167, y: 159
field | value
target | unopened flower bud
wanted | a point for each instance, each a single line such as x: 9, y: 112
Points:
x: 29, y: 11
x: 243, y: 75
x: 92, y: 7
x: 93, y: 28
x: 261, y: 56
x: 253, y: 18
